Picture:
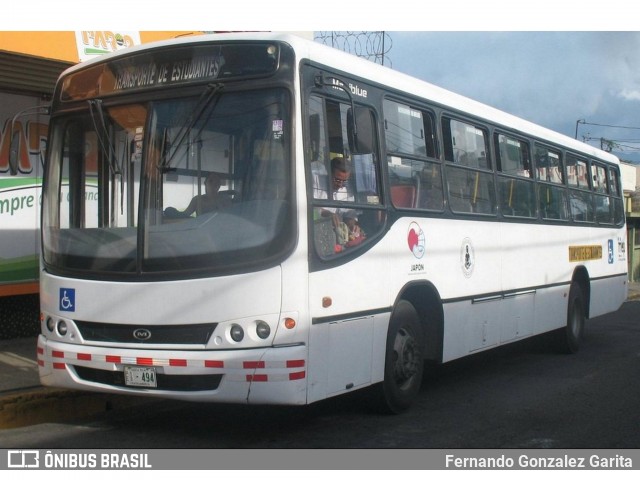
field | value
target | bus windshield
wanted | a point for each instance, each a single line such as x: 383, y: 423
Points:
x: 176, y: 185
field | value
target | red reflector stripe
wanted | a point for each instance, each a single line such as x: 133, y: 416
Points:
x: 144, y: 361
x: 295, y: 363
x: 59, y: 366
x: 252, y: 364
x: 84, y: 356
x: 57, y: 354
x: 113, y: 359
x: 297, y: 375
x: 213, y: 364
x: 40, y: 351
x: 256, y: 378
x: 41, y: 363
x: 177, y: 362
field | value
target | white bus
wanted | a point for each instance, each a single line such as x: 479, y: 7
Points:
x: 372, y: 222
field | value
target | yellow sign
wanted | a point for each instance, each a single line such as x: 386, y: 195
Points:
x: 582, y: 253
x: 65, y: 46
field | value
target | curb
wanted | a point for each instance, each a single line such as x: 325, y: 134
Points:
x: 46, y: 405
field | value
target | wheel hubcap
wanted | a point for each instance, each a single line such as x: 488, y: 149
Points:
x: 407, y: 355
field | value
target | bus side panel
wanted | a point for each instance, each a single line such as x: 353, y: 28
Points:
x: 551, y: 308
x: 607, y: 295
x: 348, y: 336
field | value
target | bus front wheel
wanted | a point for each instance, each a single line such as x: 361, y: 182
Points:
x: 404, y: 361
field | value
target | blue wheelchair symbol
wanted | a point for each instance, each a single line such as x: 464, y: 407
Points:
x: 67, y: 299
x: 610, y: 251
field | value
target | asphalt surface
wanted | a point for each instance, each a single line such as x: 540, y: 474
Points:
x: 23, y: 401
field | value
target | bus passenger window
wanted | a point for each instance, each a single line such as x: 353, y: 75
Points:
x: 415, y: 184
x: 577, y: 175
x: 548, y: 165
x: 470, y: 187
x: 614, y: 192
x: 408, y: 130
x: 410, y: 140
x: 553, y: 202
x: 465, y: 144
x: 512, y: 156
x: 470, y: 191
x: 599, y: 175
x: 343, y: 177
x: 581, y: 205
x: 517, y: 192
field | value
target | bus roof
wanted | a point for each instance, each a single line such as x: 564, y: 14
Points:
x: 365, y: 69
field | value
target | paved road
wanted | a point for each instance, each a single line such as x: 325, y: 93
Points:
x: 520, y: 396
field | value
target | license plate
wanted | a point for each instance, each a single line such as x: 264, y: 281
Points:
x: 140, y: 377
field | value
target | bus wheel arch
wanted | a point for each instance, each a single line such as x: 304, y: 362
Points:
x: 426, y: 300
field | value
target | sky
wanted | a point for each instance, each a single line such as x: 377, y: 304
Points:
x: 560, y: 80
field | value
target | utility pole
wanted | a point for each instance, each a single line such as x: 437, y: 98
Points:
x: 577, y: 123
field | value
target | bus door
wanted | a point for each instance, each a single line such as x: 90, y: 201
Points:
x: 346, y: 215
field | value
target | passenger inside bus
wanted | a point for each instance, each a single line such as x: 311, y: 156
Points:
x: 208, y: 202
x: 344, y: 220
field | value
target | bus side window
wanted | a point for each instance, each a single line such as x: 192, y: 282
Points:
x: 616, y: 197
x: 317, y: 150
x: 338, y: 224
x: 548, y: 165
x: 603, y: 205
x: 553, y: 202
x: 470, y: 181
x: 580, y: 196
x: 516, y: 191
x: 414, y: 176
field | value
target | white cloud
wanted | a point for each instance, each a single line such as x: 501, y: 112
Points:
x: 630, y: 94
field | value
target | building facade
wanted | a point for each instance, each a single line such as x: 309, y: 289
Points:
x: 30, y: 63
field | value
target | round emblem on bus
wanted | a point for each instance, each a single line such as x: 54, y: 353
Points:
x: 142, y: 334
x: 467, y: 257
x: 415, y: 240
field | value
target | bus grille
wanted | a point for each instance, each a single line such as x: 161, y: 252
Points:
x: 198, y: 334
x: 174, y: 383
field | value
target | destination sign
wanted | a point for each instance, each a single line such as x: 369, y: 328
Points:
x: 170, y: 66
x: 150, y: 74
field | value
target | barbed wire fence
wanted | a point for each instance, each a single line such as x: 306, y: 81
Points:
x: 374, y: 46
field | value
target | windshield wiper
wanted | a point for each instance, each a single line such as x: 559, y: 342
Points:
x: 100, y: 126
x: 203, y: 103
x: 108, y: 150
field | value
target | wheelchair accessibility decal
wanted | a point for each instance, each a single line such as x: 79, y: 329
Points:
x: 67, y: 300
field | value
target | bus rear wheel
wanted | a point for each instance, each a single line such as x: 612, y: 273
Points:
x: 570, y: 337
x: 404, y: 361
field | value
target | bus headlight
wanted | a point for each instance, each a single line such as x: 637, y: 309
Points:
x: 236, y: 332
x: 62, y: 328
x: 51, y: 324
x: 263, y: 330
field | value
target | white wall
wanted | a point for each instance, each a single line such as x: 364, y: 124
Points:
x: 629, y: 173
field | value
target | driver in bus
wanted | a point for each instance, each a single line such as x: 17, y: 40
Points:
x: 207, y: 202
x: 345, y: 220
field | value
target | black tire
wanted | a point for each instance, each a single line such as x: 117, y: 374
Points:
x: 404, y: 361
x: 570, y: 337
